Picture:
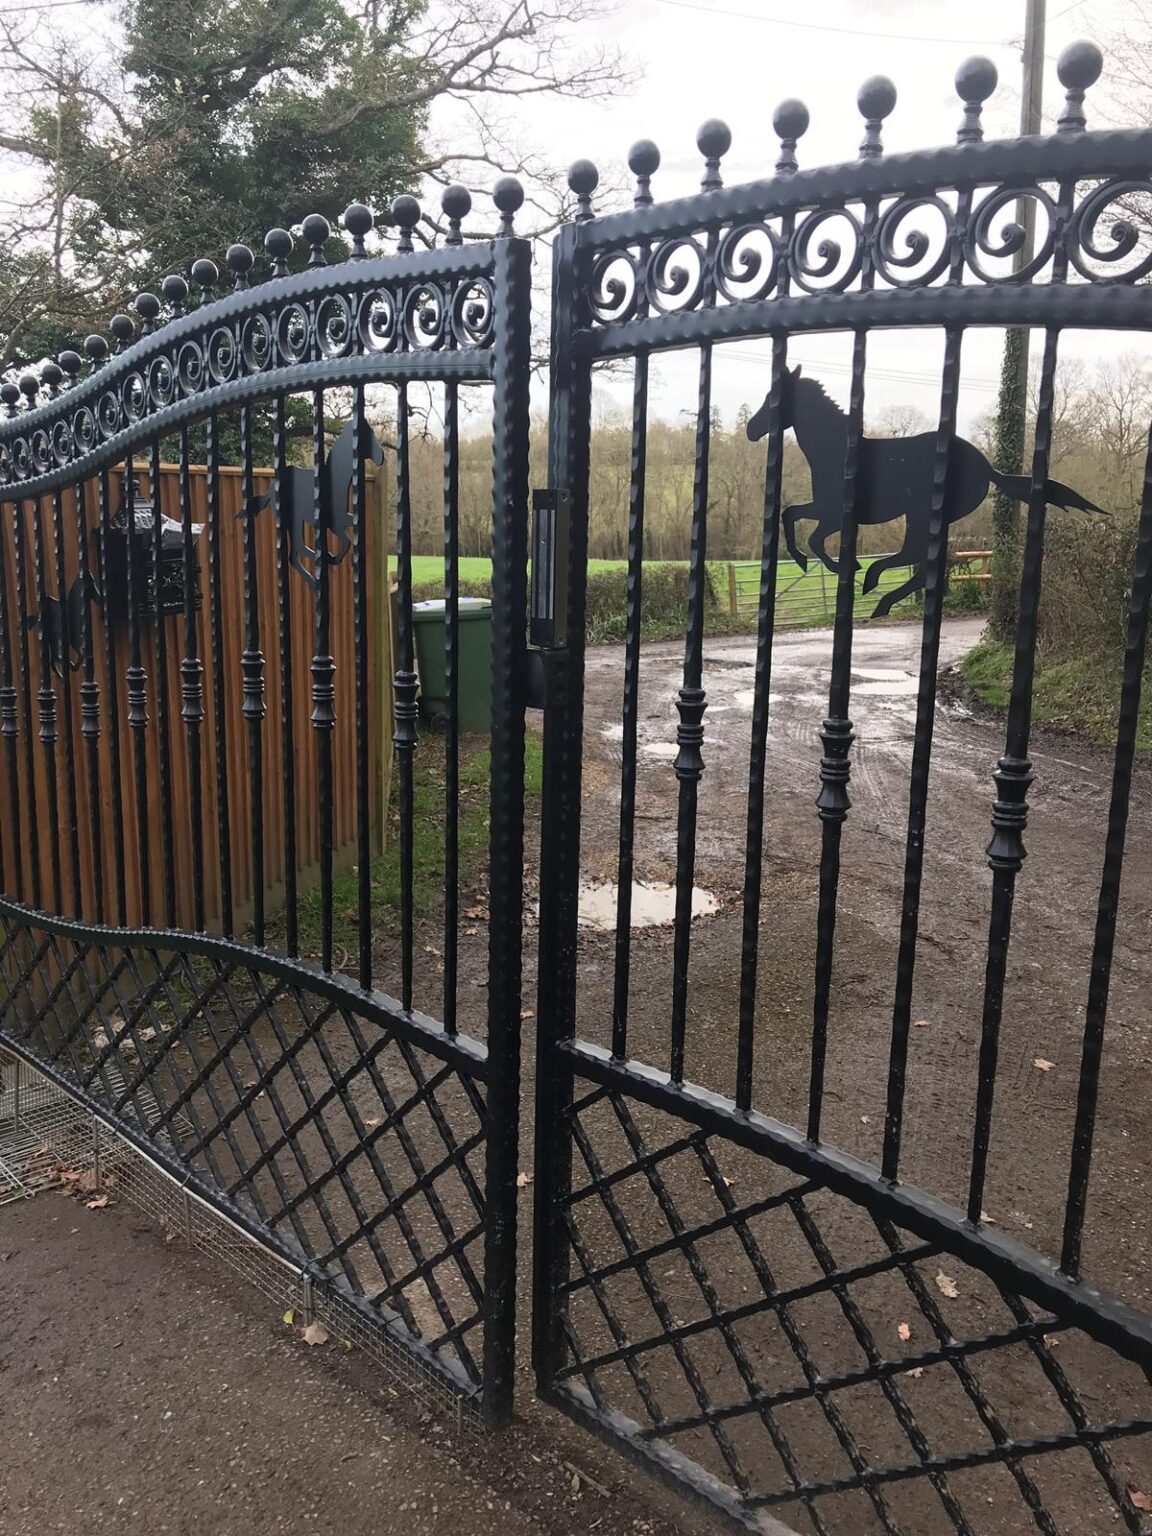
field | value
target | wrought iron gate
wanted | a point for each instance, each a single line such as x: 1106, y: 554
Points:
x: 722, y: 1289
x: 177, y: 778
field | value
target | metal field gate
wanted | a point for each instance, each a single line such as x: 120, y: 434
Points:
x: 847, y: 1339
x: 369, y: 1139
x: 789, y: 1308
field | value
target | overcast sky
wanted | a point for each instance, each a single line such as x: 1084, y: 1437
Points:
x: 736, y: 59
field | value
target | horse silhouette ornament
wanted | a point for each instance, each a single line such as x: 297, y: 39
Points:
x: 894, y: 480
x: 299, y: 511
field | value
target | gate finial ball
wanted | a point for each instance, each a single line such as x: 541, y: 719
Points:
x: 358, y: 222
x: 583, y: 179
x: 875, y: 99
x: 713, y: 140
x: 976, y: 79
x: 508, y: 195
x: 1079, y: 66
x: 790, y: 123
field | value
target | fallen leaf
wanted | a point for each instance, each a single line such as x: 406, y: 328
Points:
x: 728, y: 1183
x: 315, y: 1333
x: 527, y: 1014
x: 946, y: 1285
x: 920, y: 1024
x: 523, y: 1180
x: 1140, y: 1500
x: 1043, y: 1064
x: 290, y: 1316
x: 430, y: 949
x: 865, y: 1119
x: 373, y: 1120
x: 99, y: 1203
x: 917, y: 1373
x: 904, y: 1332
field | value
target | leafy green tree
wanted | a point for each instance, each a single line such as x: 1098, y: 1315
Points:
x: 170, y: 129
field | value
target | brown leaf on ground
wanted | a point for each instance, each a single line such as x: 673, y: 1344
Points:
x: 920, y: 1024
x: 315, y: 1333
x: 523, y: 1180
x: 97, y: 1203
x: 946, y: 1285
x: 1140, y: 1500
x: 1043, y: 1064
x: 904, y: 1332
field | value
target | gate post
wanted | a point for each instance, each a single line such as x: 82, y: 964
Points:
x: 511, y: 364
x: 569, y: 432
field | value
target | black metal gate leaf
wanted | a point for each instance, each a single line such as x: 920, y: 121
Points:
x: 768, y: 1321
x: 165, y: 979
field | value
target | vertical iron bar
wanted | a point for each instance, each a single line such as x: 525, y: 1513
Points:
x: 569, y: 434
x: 765, y: 633
x: 284, y: 603
x: 452, y: 691
x: 10, y: 729
x: 253, y: 706
x: 219, y: 712
x: 22, y: 619
x: 510, y: 381
x: 192, y: 687
x: 690, y: 704
x: 1135, y: 653
x: 113, y: 686
x: 633, y: 621
x: 935, y: 578
x: 364, y: 718
x: 64, y: 640
x: 46, y: 700
x: 833, y: 802
x: 1013, y: 775
x: 137, y: 679
x: 406, y: 734
x: 163, y: 728
x: 323, y: 672
x: 90, y: 727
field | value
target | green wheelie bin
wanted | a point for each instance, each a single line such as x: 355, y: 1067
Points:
x: 474, y: 662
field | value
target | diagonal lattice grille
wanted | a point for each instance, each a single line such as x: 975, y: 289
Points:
x: 811, y: 1360
x: 352, y: 1149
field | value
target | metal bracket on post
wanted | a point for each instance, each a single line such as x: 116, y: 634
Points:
x: 549, y: 623
x: 548, y: 628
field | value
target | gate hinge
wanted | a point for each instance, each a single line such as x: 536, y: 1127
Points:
x: 549, y: 610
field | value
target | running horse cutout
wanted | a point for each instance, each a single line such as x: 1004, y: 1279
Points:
x: 894, y: 480
x: 299, y: 499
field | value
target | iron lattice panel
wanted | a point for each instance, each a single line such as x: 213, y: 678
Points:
x: 788, y: 1353
x: 339, y: 1142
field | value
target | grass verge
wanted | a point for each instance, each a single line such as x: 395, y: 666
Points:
x: 428, y: 798
x: 1079, y: 694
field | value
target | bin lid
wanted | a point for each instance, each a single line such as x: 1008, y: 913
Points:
x: 435, y: 607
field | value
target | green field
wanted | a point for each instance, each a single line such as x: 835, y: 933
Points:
x: 803, y: 597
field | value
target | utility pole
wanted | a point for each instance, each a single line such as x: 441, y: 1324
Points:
x: 1012, y: 407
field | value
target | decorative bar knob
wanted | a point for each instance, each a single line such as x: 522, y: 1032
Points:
x: 976, y: 79
x: 456, y: 201
x: 583, y: 179
x: 790, y: 120
x: 876, y: 98
x: 358, y: 223
x: 643, y: 162
x: 1078, y: 70
x: 713, y: 140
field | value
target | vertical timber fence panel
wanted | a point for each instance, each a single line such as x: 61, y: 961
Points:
x: 740, y: 1280
x: 200, y: 938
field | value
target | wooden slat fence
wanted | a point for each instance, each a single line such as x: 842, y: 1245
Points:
x: 32, y: 862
